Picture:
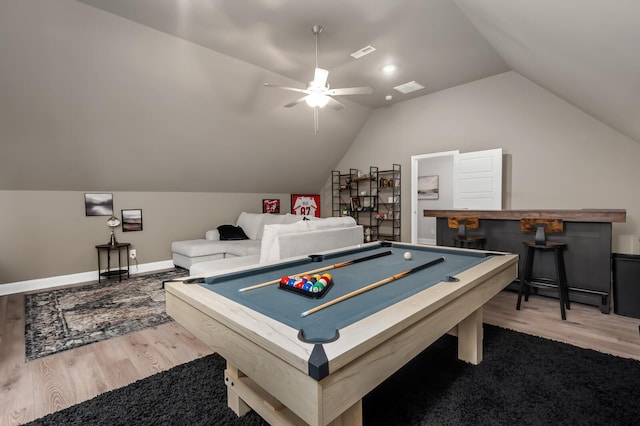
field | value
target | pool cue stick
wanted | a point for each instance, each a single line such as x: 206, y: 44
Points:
x: 372, y: 286
x: 324, y: 268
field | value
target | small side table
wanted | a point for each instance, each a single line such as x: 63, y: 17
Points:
x: 120, y: 247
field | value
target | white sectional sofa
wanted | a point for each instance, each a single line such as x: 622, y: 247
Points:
x: 269, y: 237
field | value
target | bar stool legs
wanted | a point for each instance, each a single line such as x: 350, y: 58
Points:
x: 560, y: 278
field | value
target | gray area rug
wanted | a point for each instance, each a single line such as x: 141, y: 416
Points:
x: 68, y: 318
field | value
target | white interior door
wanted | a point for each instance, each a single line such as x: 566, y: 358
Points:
x: 478, y: 180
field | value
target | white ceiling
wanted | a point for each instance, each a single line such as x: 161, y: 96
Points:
x: 431, y: 42
x: 584, y: 52
x: 168, y: 95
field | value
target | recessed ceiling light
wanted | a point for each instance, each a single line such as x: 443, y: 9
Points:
x: 364, y: 51
x: 409, y: 87
x: 388, y: 97
x: 389, y: 69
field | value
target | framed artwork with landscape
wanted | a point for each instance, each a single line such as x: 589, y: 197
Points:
x: 98, y: 204
x: 131, y: 220
x: 428, y: 187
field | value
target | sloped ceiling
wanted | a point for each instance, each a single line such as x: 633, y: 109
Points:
x: 168, y: 95
x: 584, y: 52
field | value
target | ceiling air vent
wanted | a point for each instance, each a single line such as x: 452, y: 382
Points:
x: 409, y: 87
x: 364, y: 51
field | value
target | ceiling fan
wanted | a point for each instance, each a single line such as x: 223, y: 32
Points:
x: 318, y: 94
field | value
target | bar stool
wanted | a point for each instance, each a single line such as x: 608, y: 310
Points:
x: 462, y: 239
x: 540, y: 244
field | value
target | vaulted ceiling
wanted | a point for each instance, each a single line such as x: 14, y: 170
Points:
x: 168, y: 113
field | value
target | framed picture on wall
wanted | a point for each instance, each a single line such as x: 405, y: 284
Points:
x: 271, y: 205
x: 305, y: 204
x: 428, y: 188
x: 131, y: 220
x: 98, y: 204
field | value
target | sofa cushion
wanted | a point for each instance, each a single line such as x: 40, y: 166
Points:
x: 250, y: 224
x: 230, y: 232
x: 271, y: 232
x: 269, y: 219
x: 212, y: 267
x: 313, y: 242
x: 331, y: 223
x: 194, y: 248
x: 212, y: 234
x: 292, y: 218
x: 242, y: 247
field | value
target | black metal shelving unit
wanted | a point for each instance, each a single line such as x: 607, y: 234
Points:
x: 372, y: 199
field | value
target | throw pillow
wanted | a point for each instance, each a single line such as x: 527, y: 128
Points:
x: 269, y: 219
x: 230, y: 232
x: 250, y: 223
x: 268, y: 251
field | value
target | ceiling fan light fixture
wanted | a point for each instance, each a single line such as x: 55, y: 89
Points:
x: 317, y: 100
x: 389, y: 69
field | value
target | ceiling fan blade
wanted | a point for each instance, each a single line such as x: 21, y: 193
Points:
x: 293, y: 89
x: 350, y: 91
x: 320, y: 78
x: 334, y: 104
x: 296, y: 102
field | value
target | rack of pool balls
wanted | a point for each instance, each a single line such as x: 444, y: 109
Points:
x: 307, y: 285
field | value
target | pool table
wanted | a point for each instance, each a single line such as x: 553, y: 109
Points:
x: 315, y: 369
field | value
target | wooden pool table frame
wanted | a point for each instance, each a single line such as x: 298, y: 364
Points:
x: 267, y: 365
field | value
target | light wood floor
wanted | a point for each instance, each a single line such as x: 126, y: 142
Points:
x: 33, y: 389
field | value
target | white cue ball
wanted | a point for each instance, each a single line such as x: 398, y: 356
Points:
x: 408, y: 255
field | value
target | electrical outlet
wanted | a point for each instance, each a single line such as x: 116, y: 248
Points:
x: 133, y: 254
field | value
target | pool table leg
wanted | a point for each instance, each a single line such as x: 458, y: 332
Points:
x: 470, y: 338
x: 232, y: 376
x: 351, y: 417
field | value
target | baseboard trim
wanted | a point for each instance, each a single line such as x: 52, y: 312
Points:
x: 82, y: 277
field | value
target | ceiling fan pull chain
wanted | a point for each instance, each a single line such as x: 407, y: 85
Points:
x: 315, y: 119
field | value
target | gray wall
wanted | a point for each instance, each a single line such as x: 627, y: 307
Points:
x: 558, y: 156
x: 46, y: 233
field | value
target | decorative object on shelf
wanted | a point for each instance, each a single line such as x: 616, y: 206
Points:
x: 385, y: 183
x: 305, y: 205
x: 113, y: 222
x: 428, y: 188
x: 131, y: 220
x: 271, y: 205
x: 355, y: 204
x: 98, y: 204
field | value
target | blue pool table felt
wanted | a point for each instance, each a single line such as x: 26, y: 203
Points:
x: 323, y: 326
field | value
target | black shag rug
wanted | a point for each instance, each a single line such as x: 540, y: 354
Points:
x: 523, y: 380
x: 67, y: 318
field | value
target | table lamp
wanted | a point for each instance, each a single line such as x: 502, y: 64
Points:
x: 112, y: 223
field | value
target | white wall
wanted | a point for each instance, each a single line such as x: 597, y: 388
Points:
x: 558, y: 156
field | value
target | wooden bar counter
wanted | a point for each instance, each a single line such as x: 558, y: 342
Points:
x: 587, y: 232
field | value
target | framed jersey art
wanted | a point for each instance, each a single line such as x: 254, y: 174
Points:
x: 305, y: 205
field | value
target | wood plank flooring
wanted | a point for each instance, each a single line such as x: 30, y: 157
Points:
x: 33, y: 389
